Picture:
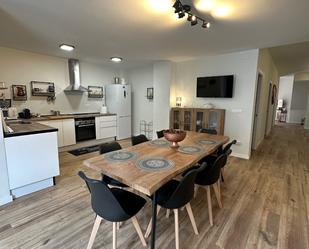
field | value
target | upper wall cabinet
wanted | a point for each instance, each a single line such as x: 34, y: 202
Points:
x: 194, y: 119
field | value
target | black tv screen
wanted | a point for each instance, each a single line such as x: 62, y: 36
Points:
x: 215, y: 87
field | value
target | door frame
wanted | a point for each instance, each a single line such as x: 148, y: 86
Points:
x: 268, y: 110
x: 256, y: 109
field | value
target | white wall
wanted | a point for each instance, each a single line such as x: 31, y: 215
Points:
x: 5, y: 196
x: 162, y: 79
x: 299, y: 101
x: 285, y: 92
x: 239, y: 109
x: 269, y: 71
x: 142, y: 108
x: 19, y: 67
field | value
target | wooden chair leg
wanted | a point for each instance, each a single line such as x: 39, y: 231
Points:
x: 114, y: 235
x: 168, y: 213
x: 217, y: 194
x: 95, y: 229
x: 196, y: 187
x: 222, y: 174
x: 209, y: 205
x: 191, y: 216
x: 219, y: 186
x: 148, y: 230
x: 139, y: 231
x: 176, y: 228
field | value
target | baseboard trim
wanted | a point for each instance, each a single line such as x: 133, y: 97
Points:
x: 5, y: 199
x: 239, y: 155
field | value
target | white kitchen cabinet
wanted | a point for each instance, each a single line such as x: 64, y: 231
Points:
x: 106, y: 126
x: 32, y: 162
x: 58, y: 125
x: 66, y: 130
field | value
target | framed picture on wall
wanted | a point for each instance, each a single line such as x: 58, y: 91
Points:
x: 19, y: 92
x: 96, y: 92
x: 150, y: 93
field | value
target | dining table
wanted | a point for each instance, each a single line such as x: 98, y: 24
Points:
x: 148, y: 166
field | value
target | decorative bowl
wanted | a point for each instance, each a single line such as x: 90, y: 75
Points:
x: 174, y: 136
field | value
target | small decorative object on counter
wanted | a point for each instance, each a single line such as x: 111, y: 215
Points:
x: 209, y: 106
x: 174, y: 136
x: 19, y: 92
x: 95, y: 92
x: 116, y: 80
x: 150, y: 93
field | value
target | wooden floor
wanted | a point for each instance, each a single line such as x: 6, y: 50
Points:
x: 265, y: 205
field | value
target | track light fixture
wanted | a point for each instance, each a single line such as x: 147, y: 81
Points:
x: 183, y: 9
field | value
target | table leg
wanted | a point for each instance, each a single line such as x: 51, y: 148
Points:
x: 154, y: 221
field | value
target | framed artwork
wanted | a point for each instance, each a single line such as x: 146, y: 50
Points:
x: 150, y: 93
x: 19, y: 92
x: 5, y: 103
x: 96, y: 92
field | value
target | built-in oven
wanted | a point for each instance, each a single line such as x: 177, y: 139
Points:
x: 85, y: 129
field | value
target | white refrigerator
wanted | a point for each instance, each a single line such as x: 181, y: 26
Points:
x: 118, y: 101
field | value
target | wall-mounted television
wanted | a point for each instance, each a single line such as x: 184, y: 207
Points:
x: 215, y: 87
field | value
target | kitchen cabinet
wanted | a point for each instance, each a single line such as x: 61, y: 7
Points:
x: 182, y: 118
x: 106, y: 126
x: 194, y: 119
x: 66, y: 131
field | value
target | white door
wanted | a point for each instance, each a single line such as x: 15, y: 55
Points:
x: 68, y: 132
x: 124, y: 127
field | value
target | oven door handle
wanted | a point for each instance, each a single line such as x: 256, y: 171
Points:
x: 87, y: 125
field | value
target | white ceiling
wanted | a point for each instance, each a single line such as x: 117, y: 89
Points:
x: 291, y: 59
x: 133, y: 30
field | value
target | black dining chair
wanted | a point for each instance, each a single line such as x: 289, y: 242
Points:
x: 105, y: 148
x: 114, y: 205
x: 226, y: 150
x: 160, y: 133
x: 139, y: 139
x: 210, y: 176
x: 176, y: 194
x: 209, y: 131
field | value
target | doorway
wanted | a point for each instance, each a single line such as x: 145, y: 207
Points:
x: 268, y: 108
x: 257, y: 111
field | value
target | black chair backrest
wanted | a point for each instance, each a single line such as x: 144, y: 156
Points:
x: 139, y: 139
x: 211, y: 174
x: 185, y: 190
x: 160, y: 133
x: 227, y: 149
x: 103, y: 201
x: 108, y: 147
x: 209, y: 131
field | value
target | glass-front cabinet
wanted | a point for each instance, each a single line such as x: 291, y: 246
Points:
x: 194, y: 119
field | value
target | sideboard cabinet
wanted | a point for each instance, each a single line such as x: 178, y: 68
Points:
x: 194, y: 119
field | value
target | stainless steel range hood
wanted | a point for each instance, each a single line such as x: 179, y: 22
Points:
x: 74, y: 74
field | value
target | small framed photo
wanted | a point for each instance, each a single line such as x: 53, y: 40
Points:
x: 96, y: 92
x: 19, y: 92
x: 150, y: 93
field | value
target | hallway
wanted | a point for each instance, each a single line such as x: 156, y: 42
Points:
x: 265, y: 205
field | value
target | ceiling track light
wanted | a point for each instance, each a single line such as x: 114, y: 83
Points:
x: 182, y: 10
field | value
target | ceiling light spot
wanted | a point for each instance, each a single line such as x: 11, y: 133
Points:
x: 67, y: 47
x: 116, y: 59
x: 204, y: 5
x: 222, y: 11
x: 160, y: 6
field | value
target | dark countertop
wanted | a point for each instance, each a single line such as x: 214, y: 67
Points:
x: 22, y: 128
x: 69, y: 116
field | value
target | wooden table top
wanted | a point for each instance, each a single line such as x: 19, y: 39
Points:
x: 148, y: 182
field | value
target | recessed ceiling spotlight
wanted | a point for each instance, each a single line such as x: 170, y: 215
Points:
x: 66, y: 47
x: 206, y: 25
x: 116, y: 59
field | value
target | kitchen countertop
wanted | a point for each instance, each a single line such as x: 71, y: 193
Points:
x: 22, y: 128
x: 69, y: 116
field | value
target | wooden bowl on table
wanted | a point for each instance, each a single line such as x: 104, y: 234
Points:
x: 174, y: 136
